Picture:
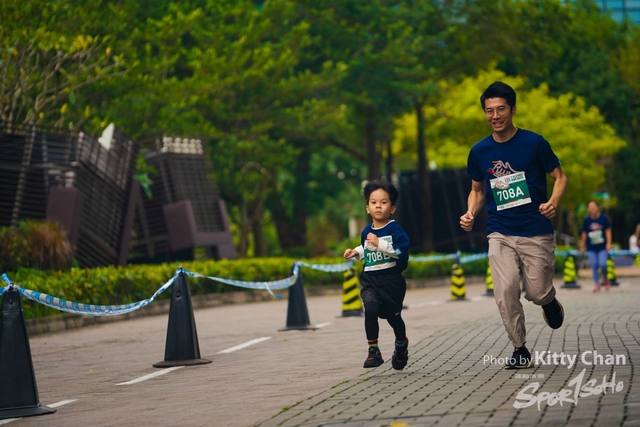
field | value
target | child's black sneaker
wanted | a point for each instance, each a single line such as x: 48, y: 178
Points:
x: 374, y: 358
x: 553, y: 314
x: 400, y: 355
x: 521, y: 359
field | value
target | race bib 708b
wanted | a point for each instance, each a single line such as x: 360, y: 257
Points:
x: 376, y: 260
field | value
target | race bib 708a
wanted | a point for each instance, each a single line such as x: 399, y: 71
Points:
x: 510, y: 191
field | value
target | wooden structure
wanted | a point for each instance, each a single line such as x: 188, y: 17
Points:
x: 69, y: 177
x: 185, y: 211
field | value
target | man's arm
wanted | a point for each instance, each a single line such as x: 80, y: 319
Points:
x: 607, y: 233
x: 475, y: 202
x: 549, y: 209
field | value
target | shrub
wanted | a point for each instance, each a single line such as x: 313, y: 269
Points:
x: 122, y: 285
x: 34, y: 244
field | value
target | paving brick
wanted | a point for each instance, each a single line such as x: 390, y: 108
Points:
x: 459, y: 389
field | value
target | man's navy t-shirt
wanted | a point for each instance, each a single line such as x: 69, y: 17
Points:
x: 526, y: 152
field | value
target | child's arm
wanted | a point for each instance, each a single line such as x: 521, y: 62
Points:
x: 357, y: 253
x: 398, y: 250
x: 387, y: 248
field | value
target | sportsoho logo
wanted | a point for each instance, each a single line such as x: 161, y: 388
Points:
x: 577, y: 387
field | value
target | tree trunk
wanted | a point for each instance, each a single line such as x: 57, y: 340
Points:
x: 427, y: 244
x: 389, y: 160
x: 373, y: 156
x: 292, y: 228
x: 244, y: 230
x: 260, y: 244
x: 281, y: 221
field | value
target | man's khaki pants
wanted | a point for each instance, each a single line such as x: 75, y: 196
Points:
x: 537, y: 254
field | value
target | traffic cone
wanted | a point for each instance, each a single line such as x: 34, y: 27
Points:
x: 18, y: 390
x: 570, y: 274
x: 458, y: 290
x: 611, y: 272
x: 297, y: 313
x: 489, y: 281
x: 181, y: 348
x: 351, y: 302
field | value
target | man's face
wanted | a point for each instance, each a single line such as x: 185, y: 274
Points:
x: 499, y: 114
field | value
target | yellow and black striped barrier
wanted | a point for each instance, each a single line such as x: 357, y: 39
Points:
x: 351, y: 302
x: 489, y: 281
x: 458, y: 290
x: 611, y: 272
x: 570, y: 274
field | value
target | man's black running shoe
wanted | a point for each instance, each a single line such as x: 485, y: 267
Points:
x: 553, y: 314
x: 521, y: 359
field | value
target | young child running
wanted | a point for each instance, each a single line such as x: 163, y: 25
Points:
x: 385, y: 250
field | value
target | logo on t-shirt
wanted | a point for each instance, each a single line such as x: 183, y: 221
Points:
x: 501, y: 168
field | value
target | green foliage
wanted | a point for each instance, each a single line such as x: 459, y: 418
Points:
x: 624, y: 176
x: 123, y: 285
x: 143, y: 170
x: 285, y: 93
x: 46, y: 57
x: 34, y: 244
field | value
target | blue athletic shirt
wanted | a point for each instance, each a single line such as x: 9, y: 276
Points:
x: 526, y: 152
x: 391, y: 255
x: 596, y: 239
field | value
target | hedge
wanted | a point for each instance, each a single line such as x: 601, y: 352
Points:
x: 122, y: 285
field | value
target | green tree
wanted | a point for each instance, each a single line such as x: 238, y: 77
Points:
x: 47, y: 59
x: 624, y: 174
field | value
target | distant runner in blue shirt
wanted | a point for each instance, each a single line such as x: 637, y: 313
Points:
x: 596, y: 241
x: 509, y: 171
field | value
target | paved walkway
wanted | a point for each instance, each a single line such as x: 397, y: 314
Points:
x: 102, y: 375
x: 456, y: 378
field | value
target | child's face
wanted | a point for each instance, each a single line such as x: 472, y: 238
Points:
x: 379, y: 206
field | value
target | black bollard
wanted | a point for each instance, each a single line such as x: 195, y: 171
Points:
x: 297, y: 313
x: 181, y: 348
x: 18, y: 390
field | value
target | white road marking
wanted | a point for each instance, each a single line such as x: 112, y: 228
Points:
x: 62, y: 402
x: 155, y: 374
x: 322, y: 325
x: 430, y: 303
x: 247, y: 344
x: 424, y: 304
x: 53, y: 405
